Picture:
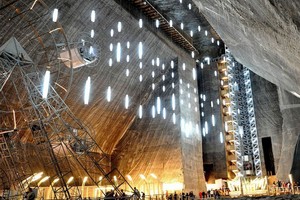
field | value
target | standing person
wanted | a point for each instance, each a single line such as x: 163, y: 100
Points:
x: 175, y: 196
x: 30, y: 194
x: 136, y: 193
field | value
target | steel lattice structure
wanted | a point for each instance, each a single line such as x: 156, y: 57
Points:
x: 245, y: 132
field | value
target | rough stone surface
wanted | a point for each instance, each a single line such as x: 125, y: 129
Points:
x: 290, y: 109
x: 262, y: 35
x: 213, y: 150
x: 268, y: 116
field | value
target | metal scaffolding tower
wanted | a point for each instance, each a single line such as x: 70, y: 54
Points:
x: 245, y: 132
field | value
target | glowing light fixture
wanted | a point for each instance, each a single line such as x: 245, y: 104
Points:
x: 174, y: 118
x: 218, y: 42
x: 164, y: 113
x: 55, y: 15
x: 127, y: 58
x: 213, y: 122
x: 199, y: 28
x: 190, y: 6
x: 43, y: 180
x: 164, y: 88
x: 92, y: 33
x: 126, y: 101
x: 183, y: 66
x: 141, y: 65
x: 153, y: 111
x: 157, y: 23
x: 140, y: 50
x: 46, y: 84
x: 191, y: 33
x: 111, y: 47
x: 127, y: 72
x: 118, y: 52
x: 141, y: 77
x: 112, y: 33
x: 194, y: 74
x: 172, y: 64
x: 171, y: 23
x: 129, y: 177
x: 212, y: 40
x: 115, y: 178
x: 119, y: 26
x: 108, y: 94
x: 153, y: 86
x: 193, y: 54
x: 110, y: 62
x: 140, y: 111
x: 70, y: 180
x: 205, y: 32
x: 206, y: 127
x: 87, y: 91
x: 157, y: 61
x: 201, y: 65
x: 84, y: 180
x: 141, y: 23
x: 181, y: 26
x: 173, y: 102
x: 91, y: 50
x: 142, y: 176
x: 55, y: 181
x: 153, y: 176
x: 221, y: 137
x: 212, y: 104
x: 158, y: 104
x: 153, y: 74
x: 128, y: 45
x: 93, y: 16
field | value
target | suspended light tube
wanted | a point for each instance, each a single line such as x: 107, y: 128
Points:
x: 213, y: 120
x: 194, y: 74
x: 164, y: 113
x: 141, y: 23
x: 140, y: 111
x: 118, y: 52
x: 93, y: 16
x: 174, y: 118
x: 157, y: 23
x: 92, y: 33
x: 153, y: 111
x: 119, y: 26
x: 140, y: 50
x: 46, y: 84
x: 158, y: 104
x: 87, y: 90
x: 173, y: 101
x: 55, y: 15
x: 126, y: 101
x: 108, y: 94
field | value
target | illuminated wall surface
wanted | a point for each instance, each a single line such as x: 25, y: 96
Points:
x: 212, y: 123
x: 140, y: 99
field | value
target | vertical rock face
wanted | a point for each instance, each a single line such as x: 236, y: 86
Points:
x: 268, y: 117
x: 213, y: 150
x: 262, y: 35
x: 290, y: 109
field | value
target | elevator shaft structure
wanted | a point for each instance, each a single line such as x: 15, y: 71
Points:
x: 245, y: 132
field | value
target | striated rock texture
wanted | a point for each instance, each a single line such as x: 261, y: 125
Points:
x: 290, y: 109
x: 268, y: 117
x: 262, y: 35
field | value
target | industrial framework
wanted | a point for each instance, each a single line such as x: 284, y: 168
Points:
x: 244, y: 124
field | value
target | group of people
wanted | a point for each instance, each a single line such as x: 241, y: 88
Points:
x: 190, y: 196
x: 122, y: 196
